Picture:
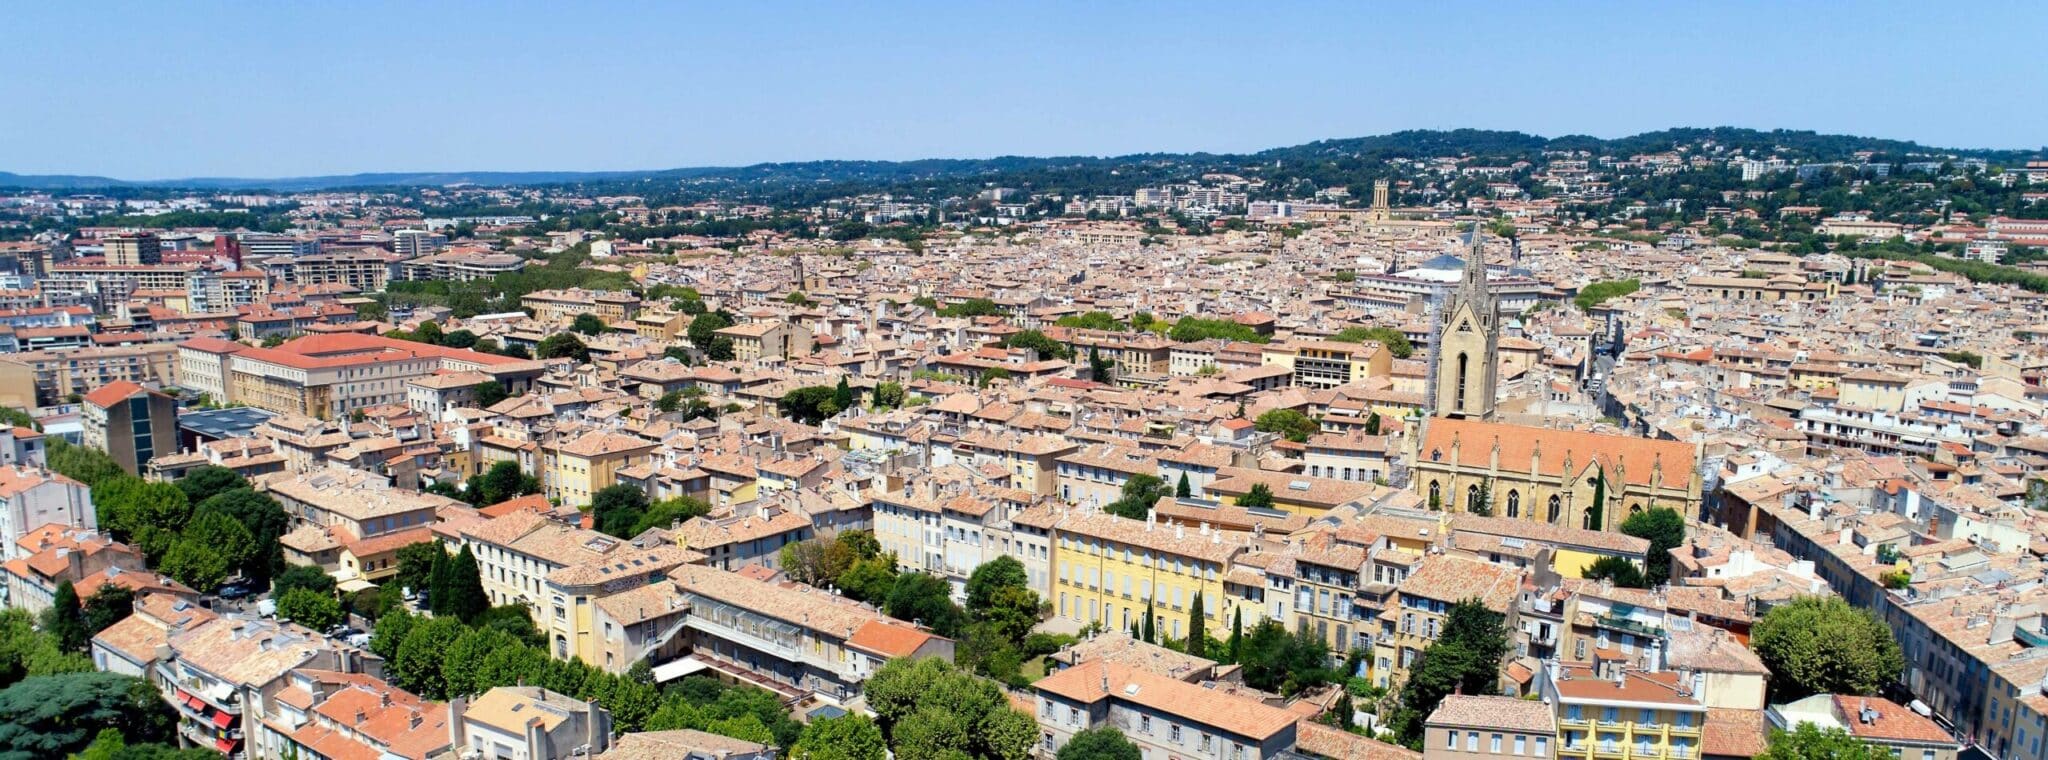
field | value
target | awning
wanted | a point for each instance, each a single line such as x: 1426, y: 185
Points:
x: 674, y: 669
x: 353, y: 585
x: 224, y: 745
x: 223, y: 719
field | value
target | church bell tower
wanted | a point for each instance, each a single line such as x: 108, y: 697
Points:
x: 1466, y: 357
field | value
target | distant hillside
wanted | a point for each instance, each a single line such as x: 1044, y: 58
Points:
x: 1357, y: 151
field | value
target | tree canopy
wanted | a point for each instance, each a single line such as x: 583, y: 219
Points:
x: 1288, y: 423
x: 1664, y: 528
x: 1822, y: 645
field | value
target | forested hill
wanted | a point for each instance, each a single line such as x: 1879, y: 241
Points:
x: 1105, y: 173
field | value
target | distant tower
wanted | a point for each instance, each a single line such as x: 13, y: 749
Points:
x: 1466, y: 359
x: 799, y: 261
x: 1381, y: 210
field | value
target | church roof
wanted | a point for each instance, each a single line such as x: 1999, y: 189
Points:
x: 1469, y: 443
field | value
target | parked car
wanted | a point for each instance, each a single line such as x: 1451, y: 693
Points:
x: 236, y: 590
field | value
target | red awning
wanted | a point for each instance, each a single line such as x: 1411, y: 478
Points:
x: 223, y: 719
x: 224, y: 745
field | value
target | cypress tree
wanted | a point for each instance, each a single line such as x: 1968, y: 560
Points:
x: 466, y: 588
x: 1151, y: 624
x: 437, y: 584
x: 843, y: 395
x: 1184, y: 489
x: 65, y: 619
x: 1198, y: 635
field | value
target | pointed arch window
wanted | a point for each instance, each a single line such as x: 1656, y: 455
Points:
x: 1556, y: 509
x: 1514, y: 503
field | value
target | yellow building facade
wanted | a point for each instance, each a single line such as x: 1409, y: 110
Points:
x: 1106, y: 569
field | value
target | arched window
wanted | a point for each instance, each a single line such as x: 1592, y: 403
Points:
x: 1635, y: 509
x: 1458, y: 403
x: 1556, y: 509
x: 1471, y: 498
x: 1514, y: 503
x: 1436, y: 495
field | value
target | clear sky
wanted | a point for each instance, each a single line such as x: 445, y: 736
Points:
x: 261, y: 89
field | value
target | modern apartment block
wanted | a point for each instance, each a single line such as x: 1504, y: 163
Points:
x: 131, y: 423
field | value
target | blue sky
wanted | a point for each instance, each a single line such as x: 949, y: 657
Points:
x: 161, y: 90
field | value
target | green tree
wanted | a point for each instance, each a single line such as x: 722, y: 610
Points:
x: 312, y: 609
x: 1618, y: 571
x: 418, y: 666
x: 223, y: 535
x: 1102, y: 742
x: 972, y: 307
x: 564, y: 346
x: 704, y: 328
x: 671, y: 513
x: 504, y: 481
x: 1288, y: 423
x: 1046, y: 347
x: 889, y: 395
x: 266, y: 523
x: 1372, y: 424
x: 615, y: 510
x: 1094, y: 320
x: 1481, y: 503
x: 415, y: 563
x: 1275, y: 660
x: 870, y: 580
x: 1465, y: 658
x: 466, y: 599
x: 1198, y: 634
x: 460, y: 339
x: 1235, y: 648
x: 588, y: 324
x: 110, y: 745
x: 1664, y: 528
x: 390, y: 632
x: 1598, y: 293
x: 488, y: 393
x: 52, y: 716
x: 205, y: 481
x: 928, y: 600
x: 843, y: 396
x: 194, y: 564
x: 107, y: 606
x: 1396, y: 342
x: 1192, y: 329
x: 1099, y: 369
x: 1258, y: 496
x: 847, y: 737
x: 309, y: 577
x: 427, y: 332
x: 1139, y: 493
x: 1811, y: 742
x: 464, y: 660
x: 65, y: 619
x: 1822, y: 645
x: 1183, y: 489
x: 809, y: 405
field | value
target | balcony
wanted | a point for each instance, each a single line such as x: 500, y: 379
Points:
x: 1631, y: 625
x: 1610, y: 750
